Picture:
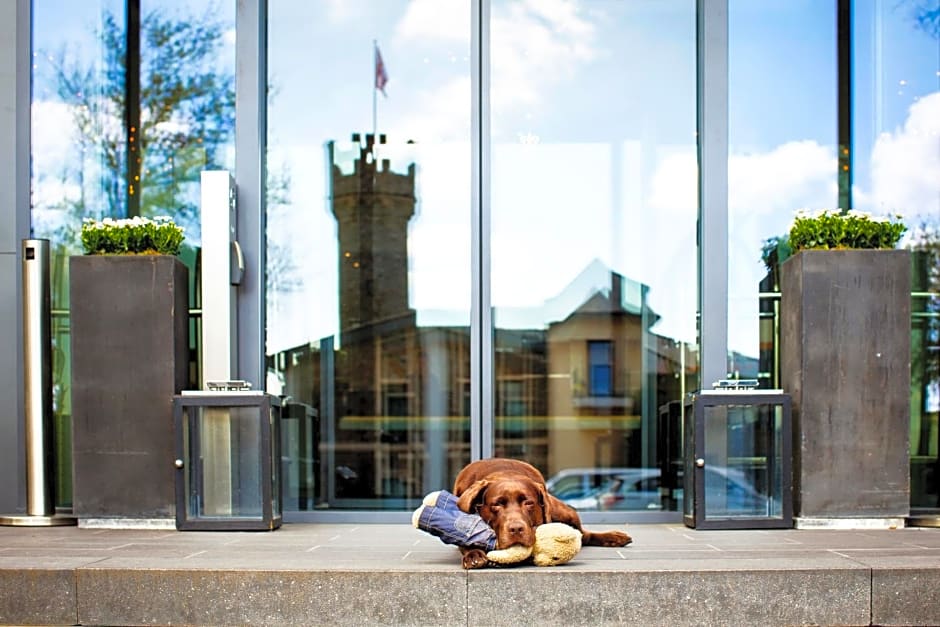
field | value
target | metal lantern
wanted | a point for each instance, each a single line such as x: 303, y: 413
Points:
x: 227, y: 453
x: 738, y: 453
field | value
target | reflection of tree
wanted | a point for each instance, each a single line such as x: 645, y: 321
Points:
x: 925, y: 362
x: 187, y: 121
x: 926, y: 15
x: 925, y: 244
x: 187, y: 112
x: 281, y: 271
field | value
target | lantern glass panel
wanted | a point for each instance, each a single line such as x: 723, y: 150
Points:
x: 743, y: 461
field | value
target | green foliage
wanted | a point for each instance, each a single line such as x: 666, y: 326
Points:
x: 775, y: 251
x: 826, y: 230
x: 133, y: 236
x: 186, y: 107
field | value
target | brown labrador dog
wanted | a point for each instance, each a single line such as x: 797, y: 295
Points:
x: 510, y: 496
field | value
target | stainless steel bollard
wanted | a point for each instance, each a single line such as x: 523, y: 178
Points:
x: 37, y: 378
x: 37, y: 384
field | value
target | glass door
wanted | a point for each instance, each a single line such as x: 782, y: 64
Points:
x: 368, y: 248
x: 593, y: 244
x: 586, y: 224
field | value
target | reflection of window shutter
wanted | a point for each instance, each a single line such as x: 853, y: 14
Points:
x: 600, y: 380
x: 600, y: 368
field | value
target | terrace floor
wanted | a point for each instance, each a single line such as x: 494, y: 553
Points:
x: 383, y: 574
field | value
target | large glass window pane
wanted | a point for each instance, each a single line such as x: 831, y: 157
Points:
x: 126, y: 111
x: 782, y: 157
x: 593, y: 238
x: 896, y: 125
x: 368, y: 247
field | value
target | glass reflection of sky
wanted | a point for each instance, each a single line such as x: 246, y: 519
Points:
x: 582, y: 79
x: 783, y: 133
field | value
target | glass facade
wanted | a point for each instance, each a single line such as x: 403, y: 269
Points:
x: 592, y: 245
x: 368, y: 244
x: 481, y: 219
x: 131, y: 101
x: 895, y: 122
x: 782, y: 136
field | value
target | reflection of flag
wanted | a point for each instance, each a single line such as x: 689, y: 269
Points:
x: 381, y: 77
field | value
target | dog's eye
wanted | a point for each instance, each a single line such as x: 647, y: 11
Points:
x: 529, y: 504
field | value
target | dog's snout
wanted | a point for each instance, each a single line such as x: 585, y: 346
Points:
x: 516, y: 527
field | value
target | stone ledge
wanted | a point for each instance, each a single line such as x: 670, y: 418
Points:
x: 368, y: 574
x: 114, y: 597
x: 544, y: 596
x: 37, y: 596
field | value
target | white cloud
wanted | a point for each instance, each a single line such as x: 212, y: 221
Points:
x: 906, y: 164
x: 536, y: 44
x: 446, y: 121
x: 338, y: 11
x: 791, y: 176
x: 52, y: 143
x: 782, y: 180
x: 52, y: 129
x: 673, y: 185
x: 441, y: 20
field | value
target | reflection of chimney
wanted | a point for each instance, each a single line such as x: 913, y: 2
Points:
x: 372, y: 207
x: 616, y: 290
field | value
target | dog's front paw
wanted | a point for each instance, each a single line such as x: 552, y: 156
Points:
x: 607, y: 538
x: 474, y: 558
x: 617, y: 538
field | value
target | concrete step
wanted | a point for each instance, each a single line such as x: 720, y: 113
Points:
x: 307, y: 574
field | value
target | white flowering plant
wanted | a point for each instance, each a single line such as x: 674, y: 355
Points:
x: 827, y: 229
x: 131, y: 236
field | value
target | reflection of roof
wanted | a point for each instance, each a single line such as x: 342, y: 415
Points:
x: 596, y: 279
x: 595, y: 290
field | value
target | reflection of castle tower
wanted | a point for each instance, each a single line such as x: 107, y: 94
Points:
x: 372, y: 206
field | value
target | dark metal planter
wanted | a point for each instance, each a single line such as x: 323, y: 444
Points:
x: 846, y: 361
x: 129, y: 357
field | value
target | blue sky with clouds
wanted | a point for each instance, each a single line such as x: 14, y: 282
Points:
x: 593, y: 127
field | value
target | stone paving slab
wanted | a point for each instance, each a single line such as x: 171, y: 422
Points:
x: 347, y: 574
x: 720, y: 597
x: 909, y: 595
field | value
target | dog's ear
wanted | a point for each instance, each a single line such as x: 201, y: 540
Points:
x: 468, y: 499
x: 546, y: 502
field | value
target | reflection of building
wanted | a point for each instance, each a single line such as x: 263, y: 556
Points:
x: 599, y: 346
x: 577, y: 384
x: 372, y: 206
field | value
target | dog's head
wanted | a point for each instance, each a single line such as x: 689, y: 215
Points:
x: 512, y: 506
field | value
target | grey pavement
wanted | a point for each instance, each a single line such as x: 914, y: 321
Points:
x: 382, y: 574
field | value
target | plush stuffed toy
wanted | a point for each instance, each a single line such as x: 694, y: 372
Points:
x: 555, y: 543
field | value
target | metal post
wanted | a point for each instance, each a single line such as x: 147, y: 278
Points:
x: 37, y: 382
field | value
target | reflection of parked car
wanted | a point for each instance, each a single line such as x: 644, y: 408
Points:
x: 607, y: 488
x: 728, y: 492
x: 577, y: 483
x: 630, y: 489
x: 633, y: 490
